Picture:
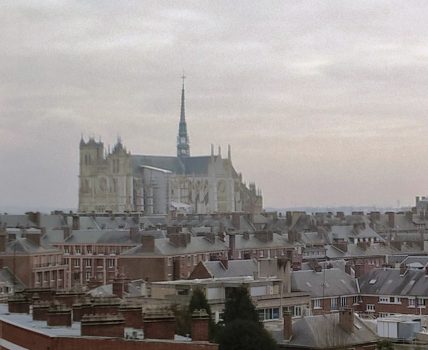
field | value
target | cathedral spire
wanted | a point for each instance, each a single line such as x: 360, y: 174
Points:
x: 183, y: 148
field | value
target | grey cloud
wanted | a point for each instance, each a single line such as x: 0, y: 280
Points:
x: 323, y: 102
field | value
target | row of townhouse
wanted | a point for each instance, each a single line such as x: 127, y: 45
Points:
x: 381, y: 292
x: 64, y: 258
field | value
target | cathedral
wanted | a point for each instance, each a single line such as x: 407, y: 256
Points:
x: 119, y: 181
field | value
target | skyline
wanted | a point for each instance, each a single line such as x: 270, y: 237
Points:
x: 322, y: 104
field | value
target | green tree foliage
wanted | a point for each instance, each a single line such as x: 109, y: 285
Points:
x: 245, y: 335
x: 239, y: 306
x: 242, y: 329
x: 200, y: 302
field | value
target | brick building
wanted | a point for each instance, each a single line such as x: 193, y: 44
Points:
x: 164, y: 259
x: 389, y: 291
x: 34, y: 264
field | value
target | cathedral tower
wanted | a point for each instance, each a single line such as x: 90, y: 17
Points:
x: 183, y: 148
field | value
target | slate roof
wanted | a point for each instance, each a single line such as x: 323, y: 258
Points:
x: 416, y: 261
x: 15, y: 220
x: 376, y: 249
x: 390, y: 282
x: 99, y: 237
x: 278, y: 241
x: 324, y: 332
x: 163, y: 247
x: 336, y: 282
x: 6, y: 277
x: 22, y: 246
x: 345, y: 232
x: 162, y: 162
x: 236, y: 268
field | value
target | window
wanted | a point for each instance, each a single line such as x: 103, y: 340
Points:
x: 88, y: 275
x: 76, y: 262
x: 269, y: 314
x: 87, y: 262
x: 354, y: 300
x: 110, y: 263
x: 317, y: 303
x: 421, y: 302
x: 333, y: 303
x: 383, y: 300
x: 297, y: 311
x: 89, y: 249
x: 370, y: 308
x: 343, y: 301
x: 411, y: 302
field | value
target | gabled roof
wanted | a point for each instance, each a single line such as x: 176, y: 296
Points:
x: 346, y: 232
x: 389, y: 282
x: 325, y: 332
x: 99, y: 237
x: 22, y: 246
x: 375, y: 249
x: 235, y: 268
x: 278, y: 241
x: 163, y: 247
x: 332, y: 282
x: 162, y: 162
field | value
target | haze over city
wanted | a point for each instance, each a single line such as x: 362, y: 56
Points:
x: 323, y: 103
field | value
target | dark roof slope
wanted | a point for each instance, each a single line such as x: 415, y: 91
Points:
x: 390, y: 282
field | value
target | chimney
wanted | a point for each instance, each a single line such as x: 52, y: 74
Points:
x: 76, y: 222
x: 59, y: 316
x: 3, y: 241
x: 341, y: 244
x: 159, y: 324
x: 103, y: 326
x: 148, y: 243
x: 133, y: 234
x: 340, y: 214
x: 391, y: 219
x: 120, y: 286
x: 288, y: 325
x: 200, y: 325
x: 33, y: 238
x: 178, y: 239
x: 346, y: 319
x: 236, y: 220
x: 232, y: 246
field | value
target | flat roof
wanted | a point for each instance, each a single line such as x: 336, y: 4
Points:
x: 26, y: 321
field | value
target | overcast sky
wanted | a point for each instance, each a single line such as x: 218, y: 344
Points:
x: 323, y: 102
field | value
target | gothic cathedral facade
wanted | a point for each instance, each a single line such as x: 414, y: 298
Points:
x: 119, y: 181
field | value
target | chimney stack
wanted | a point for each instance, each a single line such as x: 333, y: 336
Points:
x: 232, y: 246
x: 403, y: 269
x: 346, y: 319
x: 200, y: 325
x: 3, y: 240
x: 288, y: 325
x: 33, y: 237
x: 76, y: 222
x: 148, y: 243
